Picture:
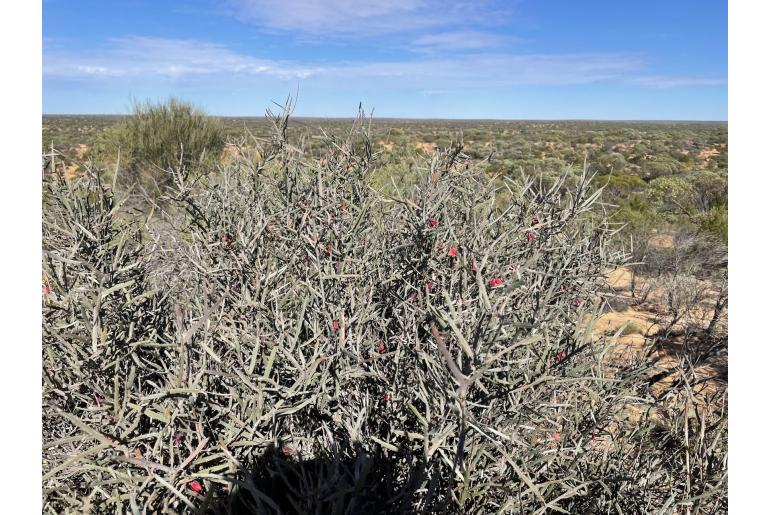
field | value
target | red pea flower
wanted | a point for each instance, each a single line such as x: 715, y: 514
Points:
x: 386, y: 397
x: 429, y: 286
x: 46, y: 289
x: 473, y: 266
x: 560, y: 356
x: 577, y: 302
x: 452, y: 252
x: 382, y: 348
x: 432, y: 222
x: 531, y: 236
x: 195, y: 487
x: 178, y: 437
x: 495, y: 282
x: 556, y: 436
x: 287, y: 450
x: 335, y: 325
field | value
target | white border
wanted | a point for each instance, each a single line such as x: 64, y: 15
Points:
x: 749, y: 201
x: 20, y: 134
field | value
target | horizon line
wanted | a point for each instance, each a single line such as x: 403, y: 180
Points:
x: 407, y: 118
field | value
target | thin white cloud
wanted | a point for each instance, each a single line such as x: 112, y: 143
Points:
x: 663, y: 82
x: 470, y: 71
x: 142, y: 57
x: 159, y: 57
x: 461, y: 40
x: 362, y: 17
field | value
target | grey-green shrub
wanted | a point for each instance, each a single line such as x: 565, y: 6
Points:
x: 311, y: 345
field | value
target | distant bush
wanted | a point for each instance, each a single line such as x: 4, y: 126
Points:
x: 304, y: 343
x: 660, y: 167
x: 160, y: 136
x: 715, y: 222
x: 611, y: 162
x: 621, y: 185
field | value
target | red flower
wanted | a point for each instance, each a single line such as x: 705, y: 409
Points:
x: 432, y: 223
x: 577, y: 302
x: 195, y: 487
x: 473, y: 266
x: 386, y: 396
x: 531, y: 236
x: 556, y: 436
x: 178, y: 437
x: 335, y: 325
x: 429, y: 286
x: 46, y: 289
x: 495, y: 282
x: 382, y: 348
x: 412, y: 297
x: 560, y: 356
x: 287, y: 450
x: 452, y: 252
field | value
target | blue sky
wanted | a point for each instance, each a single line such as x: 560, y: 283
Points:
x: 516, y: 59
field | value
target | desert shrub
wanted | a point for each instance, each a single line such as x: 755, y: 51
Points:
x: 660, y: 166
x: 303, y: 343
x: 611, y: 162
x: 674, y: 195
x: 103, y: 329
x: 159, y: 136
x: 621, y: 185
x: 709, y: 189
x: 714, y: 222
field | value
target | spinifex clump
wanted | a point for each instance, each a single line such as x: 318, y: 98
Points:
x: 319, y: 347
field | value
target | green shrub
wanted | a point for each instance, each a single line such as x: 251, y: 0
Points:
x: 160, y: 136
x: 660, y: 166
x: 715, y: 222
x: 621, y: 185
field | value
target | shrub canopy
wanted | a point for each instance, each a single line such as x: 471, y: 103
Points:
x: 159, y: 136
x: 296, y: 341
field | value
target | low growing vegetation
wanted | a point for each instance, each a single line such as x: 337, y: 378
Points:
x: 289, y: 332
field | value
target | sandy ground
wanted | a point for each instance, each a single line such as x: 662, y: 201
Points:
x: 640, y: 323
x: 426, y: 147
x: 231, y: 153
